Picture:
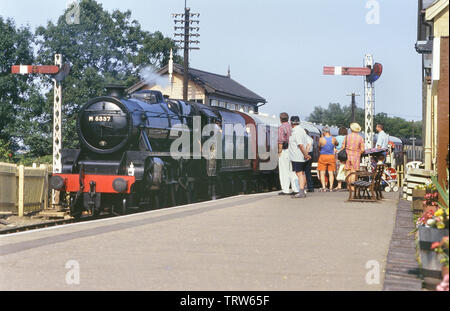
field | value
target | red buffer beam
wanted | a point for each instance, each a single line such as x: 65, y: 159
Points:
x: 28, y: 69
x: 346, y: 71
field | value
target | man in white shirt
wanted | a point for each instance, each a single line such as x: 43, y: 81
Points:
x: 309, y: 149
x: 287, y: 177
x: 298, y: 153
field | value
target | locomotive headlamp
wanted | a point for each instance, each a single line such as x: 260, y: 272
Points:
x: 120, y: 185
x: 56, y: 183
x: 103, y: 143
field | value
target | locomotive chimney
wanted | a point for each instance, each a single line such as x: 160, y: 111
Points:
x: 115, y: 90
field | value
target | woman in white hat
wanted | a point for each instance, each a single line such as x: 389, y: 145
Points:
x: 354, y: 145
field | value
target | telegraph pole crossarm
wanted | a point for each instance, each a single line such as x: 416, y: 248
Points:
x: 186, y: 32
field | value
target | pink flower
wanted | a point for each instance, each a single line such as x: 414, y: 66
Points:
x: 443, y: 287
x: 435, y: 245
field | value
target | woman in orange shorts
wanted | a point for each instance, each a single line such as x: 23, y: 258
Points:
x: 327, y: 159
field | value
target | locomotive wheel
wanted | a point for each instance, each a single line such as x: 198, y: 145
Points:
x: 212, y: 190
x: 172, y: 196
x: 76, y: 208
x: 161, y: 198
x: 244, y: 186
x: 124, y: 206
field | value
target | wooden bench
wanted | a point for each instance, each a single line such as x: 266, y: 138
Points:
x: 367, y: 186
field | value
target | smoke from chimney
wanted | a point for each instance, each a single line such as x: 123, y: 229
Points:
x: 149, y: 75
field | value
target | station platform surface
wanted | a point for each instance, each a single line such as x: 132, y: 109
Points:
x: 252, y: 242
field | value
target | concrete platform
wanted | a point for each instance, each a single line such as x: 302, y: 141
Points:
x: 254, y: 242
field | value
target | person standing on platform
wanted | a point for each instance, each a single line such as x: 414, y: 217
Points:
x: 354, y: 145
x: 287, y: 177
x: 309, y: 149
x: 298, y: 154
x: 382, y: 140
x: 327, y: 159
x: 340, y: 165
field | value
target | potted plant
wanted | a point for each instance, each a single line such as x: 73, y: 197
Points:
x: 433, y: 227
x: 421, y: 196
x: 441, y: 248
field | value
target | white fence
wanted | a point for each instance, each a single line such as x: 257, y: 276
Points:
x: 23, y: 189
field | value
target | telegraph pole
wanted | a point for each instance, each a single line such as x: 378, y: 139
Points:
x: 353, y: 95
x: 185, y: 43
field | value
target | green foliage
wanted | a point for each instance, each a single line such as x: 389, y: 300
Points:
x: 26, y: 160
x: 103, y: 48
x: 5, y: 152
x: 336, y: 115
x: 339, y: 116
x: 443, y: 190
x: 15, y: 48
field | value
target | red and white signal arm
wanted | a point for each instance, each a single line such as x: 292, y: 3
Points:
x: 58, y: 73
x: 346, y: 71
x: 29, y: 69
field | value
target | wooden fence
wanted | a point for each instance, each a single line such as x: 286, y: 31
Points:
x: 23, y: 189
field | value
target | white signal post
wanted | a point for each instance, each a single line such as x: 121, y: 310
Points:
x: 369, y: 105
x: 57, y: 128
x: 57, y: 120
x: 59, y: 74
x: 369, y: 92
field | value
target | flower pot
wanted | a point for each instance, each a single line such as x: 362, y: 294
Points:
x: 430, y: 260
x: 418, y: 196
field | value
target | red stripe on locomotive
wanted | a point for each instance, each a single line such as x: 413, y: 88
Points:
x: 103, y: 183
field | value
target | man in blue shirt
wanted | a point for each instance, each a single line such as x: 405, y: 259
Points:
x: 383, y: 138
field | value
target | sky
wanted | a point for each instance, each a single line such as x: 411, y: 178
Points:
x: 277, y: 48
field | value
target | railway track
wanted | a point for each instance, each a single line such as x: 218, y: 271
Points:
x: 51, y: 224
x: 56, y: 223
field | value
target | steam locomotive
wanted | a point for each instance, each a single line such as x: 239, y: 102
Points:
x: 127, y: 160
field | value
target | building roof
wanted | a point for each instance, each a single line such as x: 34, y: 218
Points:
x: 436, y: 8
x: 213, y: 83
x: 427, y: 3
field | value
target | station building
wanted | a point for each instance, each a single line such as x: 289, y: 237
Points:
x: 433, y: 45
x: 204, y: 87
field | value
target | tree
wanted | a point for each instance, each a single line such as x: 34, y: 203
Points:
x: 103, y: 48
x: 341, y: 116
x: 336, y: 115
x: 15, y: 90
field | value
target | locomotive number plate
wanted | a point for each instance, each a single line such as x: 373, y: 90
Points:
x: 100, y: 119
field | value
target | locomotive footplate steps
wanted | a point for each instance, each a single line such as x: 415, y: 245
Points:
x: 248, y: 242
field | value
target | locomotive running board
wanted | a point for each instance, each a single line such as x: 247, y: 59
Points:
x: 167, y: 154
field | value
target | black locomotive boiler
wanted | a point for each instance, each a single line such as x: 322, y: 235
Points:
x: 124, y: 161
